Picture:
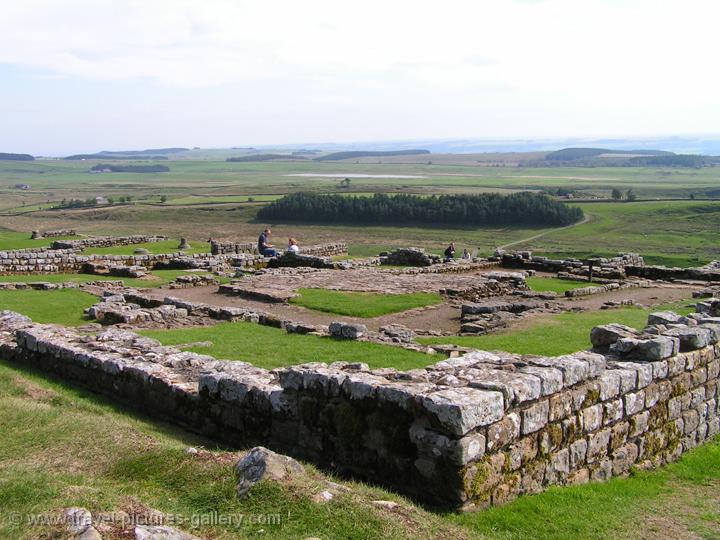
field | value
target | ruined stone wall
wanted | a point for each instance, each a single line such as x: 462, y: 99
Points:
x: 44, y: 261
x: 53, y: 234
x: 704, y: 273
x: 603, y: 267
x: 467, y: 432
x: 106, y: 241
x: 320, y: 250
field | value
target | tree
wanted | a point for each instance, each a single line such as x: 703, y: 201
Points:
x: 163, y: 198
x: 630, y: 195
x: 616, y: 194
x: 345, y: 183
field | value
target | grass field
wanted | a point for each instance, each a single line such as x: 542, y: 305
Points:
x: 157, y: 278
x: 269, y: 347
x: 548, y: 284
x: 366, y: 305
x: 164, y: 246
x: 564, y: 333
x: 66, y: 447
x: 64, y: 306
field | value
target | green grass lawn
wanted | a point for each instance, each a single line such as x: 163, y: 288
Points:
x: 158, y: 277
x: 271, y: 347
x: 165, y: 246
x: 10, y: 240
x: 64, y: 306
x: 561, y: 334
x: 366, y: 305
x: 549, y: 284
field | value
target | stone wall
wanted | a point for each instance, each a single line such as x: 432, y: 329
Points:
x: 602, y: 267
x: 320, y: 250
x: 106, y: 241
x: 409, y: 257
x: 469, y: 432
x: 44, y: 261
x: 710, y: 272
x: 53, y: 234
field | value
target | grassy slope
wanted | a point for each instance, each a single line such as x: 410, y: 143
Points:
x: 365, y: 305
x: 271, y: 347
x: 65, y: 447
x: 677, y: 233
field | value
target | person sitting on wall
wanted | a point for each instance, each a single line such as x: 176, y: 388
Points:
x: 293, y: 246
x: 265, y: 248
x: 466, y: 254
x: 450, y: 252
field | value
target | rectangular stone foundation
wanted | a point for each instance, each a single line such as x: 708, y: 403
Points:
x: 467, y: 432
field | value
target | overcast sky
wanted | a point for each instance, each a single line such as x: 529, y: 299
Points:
x: 89, y: 75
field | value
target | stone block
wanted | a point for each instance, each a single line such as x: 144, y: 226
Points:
x: 535, y: 417
x: 460, y: 411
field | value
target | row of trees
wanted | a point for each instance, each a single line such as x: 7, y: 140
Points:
x: 485, y: 209
x: 618, y: 195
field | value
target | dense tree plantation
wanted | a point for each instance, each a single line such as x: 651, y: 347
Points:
x: 485, y: 209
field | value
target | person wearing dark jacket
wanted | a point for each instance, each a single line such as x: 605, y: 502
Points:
x: 265, y: 248
x: 450, y: 252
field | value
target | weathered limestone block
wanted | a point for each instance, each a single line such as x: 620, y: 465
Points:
x: 459, y: 412
x: 691, y: 338
x: 608, y: 334
x: 347, y: 330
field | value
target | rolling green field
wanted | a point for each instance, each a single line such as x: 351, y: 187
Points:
x: 210, y: 199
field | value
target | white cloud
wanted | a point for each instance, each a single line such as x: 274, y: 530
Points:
x: 507, y: 67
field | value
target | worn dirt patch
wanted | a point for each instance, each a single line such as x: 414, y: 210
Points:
x: 34, y: 391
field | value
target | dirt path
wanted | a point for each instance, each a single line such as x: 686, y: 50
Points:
x: 535, y: 237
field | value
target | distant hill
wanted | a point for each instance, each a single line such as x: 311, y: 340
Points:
x: 675, y: 160
x: 101, y: 155
x: 107, y: 167
x: 16, y: 157
x: 263, y: 157
x: 572, y: 154
x: 337, y: 156
x: 150, y: 153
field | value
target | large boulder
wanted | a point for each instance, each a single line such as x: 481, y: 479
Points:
x: 262, y: 463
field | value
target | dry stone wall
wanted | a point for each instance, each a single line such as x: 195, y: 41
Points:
x: 320, y: 250
x: 46, y: 261
x: 106, y: 241
x: 472, y: 431
x: 602, y: 267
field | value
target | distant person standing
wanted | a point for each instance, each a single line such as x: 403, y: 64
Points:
x: 265, y: 248
x: 466, y: 254
x: 450, y: 252
x: 293, y: 246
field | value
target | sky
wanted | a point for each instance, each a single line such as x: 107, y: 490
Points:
x: 83, y: 76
